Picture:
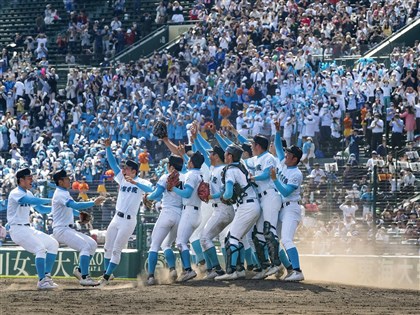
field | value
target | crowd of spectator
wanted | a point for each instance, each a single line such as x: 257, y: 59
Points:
x: 260, y: 61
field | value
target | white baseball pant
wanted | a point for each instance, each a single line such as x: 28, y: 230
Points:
x: 206, y: 212
x: 33, y: 241
x: 245, y: 217
x: 190, y: 220
x: 76, y: 240
x: 116, y: 237
x: 221, y: 217
x: 289, y: 217
x: 270, y: 205
x: 166, y: 224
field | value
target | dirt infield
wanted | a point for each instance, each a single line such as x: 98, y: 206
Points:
x: 270, y: 296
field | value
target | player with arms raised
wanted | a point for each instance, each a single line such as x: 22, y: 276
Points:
x: 130, y: 195
x: 288, y: 180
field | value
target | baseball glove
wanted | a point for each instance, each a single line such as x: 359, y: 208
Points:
x: 172, y: 180
x: 84, y: 217
x: 148, y: 203
x: 203, y: 191
x: 160, y: 130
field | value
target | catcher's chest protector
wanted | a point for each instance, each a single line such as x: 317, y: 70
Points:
x: 238, y: 191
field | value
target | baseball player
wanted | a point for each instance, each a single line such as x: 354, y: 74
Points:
x: 131, y: 189
x: 248, y: 210
x: 222, y: 215
x: 288, y: 180
x: 194, y: 239
x: 164, y: 231
x: 191, y: 217
x: 44, y: 246
x: 249, y: 251
x: 64, y: 208
x: 265, y: 232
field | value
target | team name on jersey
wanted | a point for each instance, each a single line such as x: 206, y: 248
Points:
x: 283, y: 178
x: 258, y: 167
x: 133, y: 190
x: 213, y: 179
x: 24, y: 205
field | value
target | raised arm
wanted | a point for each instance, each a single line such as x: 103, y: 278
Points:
x: 111, y: 158
x: 203, y: 151
x: 279, y: 147
x: 223, y: 143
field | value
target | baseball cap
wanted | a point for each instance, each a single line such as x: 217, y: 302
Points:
x: 132, y: 164
x: 219, y: 151
x: 177, y: 162
x: 23, y: 172
x: 247, y: 148
x: 296, y: 151
x: 261, y: 140
x: 235, y: 151
x: 197, y: 159
x: 59, y: 175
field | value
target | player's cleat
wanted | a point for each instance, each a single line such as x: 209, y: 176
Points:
x: 280, y: 272
x: 294, y: 275
x: 173, y: 275
x: 231, y: 276
x: 77, y: 274
x: 151, y: 281
x: 213, y: 274
x: 50, y: 280
x: 272, y: 270
x: 201, y: 268
x: 103, y: 282
x: 88, y: 282
x: 111, y: 277
x: 187, y: 275
x: 45, y: 284
x: 260, y: 275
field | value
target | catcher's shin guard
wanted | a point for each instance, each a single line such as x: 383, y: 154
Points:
x: 231, y: 249
x: 273, y: 244
x: 259, y: 249
x: 239, y: 262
